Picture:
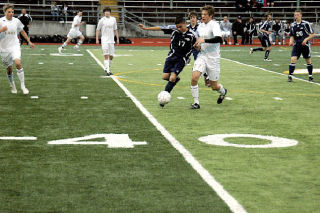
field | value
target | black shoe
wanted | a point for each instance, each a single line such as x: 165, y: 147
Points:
x: 221, y: 97
x: 311, y: 79
x: 161, y: 105
x: 289, y: 78
x: 108, y: 73
x: 195, y: 106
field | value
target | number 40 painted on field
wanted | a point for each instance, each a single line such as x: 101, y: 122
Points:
x: 111, y: 140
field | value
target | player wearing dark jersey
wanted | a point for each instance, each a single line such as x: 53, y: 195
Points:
x: 301, y: 33
x: 25, y: 20
x: 182, y: 41
x: 265, y: 30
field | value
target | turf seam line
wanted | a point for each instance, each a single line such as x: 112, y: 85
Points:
x: 263, y: 69
x: 232, y: 203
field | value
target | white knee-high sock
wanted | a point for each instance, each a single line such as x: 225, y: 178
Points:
x: 64, y: 45
x: 106, y: 65
x: 222, y: 91
x: 79, y: 43
x: 20, y: 74
x: 195, y: 94
x: 10, y: 78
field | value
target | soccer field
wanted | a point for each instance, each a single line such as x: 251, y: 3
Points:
x: 129, y: 165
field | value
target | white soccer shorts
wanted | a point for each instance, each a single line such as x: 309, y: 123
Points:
x: 108, y: 49
x: 74, y: 34
x: 225, y: 33
x: 211, y: 66
x: 9, y: 57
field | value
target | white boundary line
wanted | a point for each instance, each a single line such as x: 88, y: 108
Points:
x: 233, y: 204
x: 19, y: 138
x: 263, y: 69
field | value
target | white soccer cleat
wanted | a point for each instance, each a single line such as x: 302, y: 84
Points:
x: 14, y: 89
x: 251, y: 51
x: 25, y: 90
x: 60, y: 50
x: 76, y: 48
x: 267, y: 59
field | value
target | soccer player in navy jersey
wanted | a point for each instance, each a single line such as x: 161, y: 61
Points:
x: 265, y: 30
x: 182, y: 41
x: 301, y: 33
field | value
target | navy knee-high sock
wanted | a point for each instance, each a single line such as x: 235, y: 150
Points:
x: 310, y: 69
x: 170, y: 85
x: 266, y: 55
x: 257, y: 49
x: 292, y: 66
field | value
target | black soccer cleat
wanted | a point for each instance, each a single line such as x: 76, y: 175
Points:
x: 161, y: 105
x: 221, y: 97
x: 195, y: 106
x: 109, y: 73
x: 289, y: 78
x: 311, y: 79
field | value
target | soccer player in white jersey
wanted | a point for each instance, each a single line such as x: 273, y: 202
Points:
x: 208, y: 60
x: 10, y: 50
x: 74, y: 32
x: 108, y: 27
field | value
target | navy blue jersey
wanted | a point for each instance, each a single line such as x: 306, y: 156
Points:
x: 194, y: 29
x: 181, y: 44
x: 265, y: 26
x: 300, y: 31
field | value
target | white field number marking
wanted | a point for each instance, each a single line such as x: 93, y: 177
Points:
x: 276, y: 142
x: 111, y: 140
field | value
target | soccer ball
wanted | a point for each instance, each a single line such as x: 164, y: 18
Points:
x: 164, y: 97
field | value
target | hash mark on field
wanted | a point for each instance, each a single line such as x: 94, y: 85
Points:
x: 277, y: 98
x: 232, y: 203
x: 84, y: 97
x: 229, y: 99
x: 19, y: 138
x: 40, y: 63
x: 180, y: 98
x: 34, y: 97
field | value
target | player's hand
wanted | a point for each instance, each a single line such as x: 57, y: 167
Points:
x: 118, y: 42
x: 97, y: 41
x: 142, y: 26
x: 4, y: 28
x: 290, y: 43
x: 304, y: 42
x: 31, y: 45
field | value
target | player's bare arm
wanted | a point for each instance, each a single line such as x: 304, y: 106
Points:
x: 156, y: 28
x: 307, y: 39
x: 24, y: 34
x: 291, y: 42
x: 97, y: 36
x: 117, y: 36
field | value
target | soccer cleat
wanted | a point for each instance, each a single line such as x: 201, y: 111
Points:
x: 311, y: 79
x: 161, y: 105
x: 76, y: 47
x: 60, y: 50
x: 251, y: 51
x: 195, y: 106
x: 25, y: 90
x: 221, y: 97
x: 267, y: 59
x: 289, y: 78
x: 14, y: 89
x: 109, y: 73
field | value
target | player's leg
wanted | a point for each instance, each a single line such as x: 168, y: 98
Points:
x: 64, y: 44
x: 266, y: 54
x: 111, y: 54
x: 81, y: 40
x: 214, y: 75
x: 258, y: 48
x: 310, y: 68
x: 292, y: 66
x: 11, y: 81
x: 306, y: 53
x: 20, y: 73
x: 175, y: 71
x: 198, y: 68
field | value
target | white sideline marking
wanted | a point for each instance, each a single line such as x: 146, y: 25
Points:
x: 263, y: 69
x: 84, y: 97
x: 180, y: 98
x: 37, y: 54
x: 233, y: 204
x: 40, y: 63
x: 229, y: 99
x: 277, y: 98
x: 19, y: 138
x: 65, y: 54
x: 34, y: 97
x: 277, y: 65
x: 70, y: 63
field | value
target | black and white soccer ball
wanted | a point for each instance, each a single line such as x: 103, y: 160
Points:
x: 164, y: 97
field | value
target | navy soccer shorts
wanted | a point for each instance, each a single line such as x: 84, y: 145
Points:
x: 265, y: 41
x: 298, y: 49
x: 174, y: 64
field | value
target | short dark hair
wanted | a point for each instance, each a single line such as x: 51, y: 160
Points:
x: 193, y: 14
x: 180, y: 20
x: 7, y: 6
x: 78, y: 11
x: 107, y: 9
x: 210, y: 9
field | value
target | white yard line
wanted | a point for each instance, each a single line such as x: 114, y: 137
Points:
x: 263, y: 69
x: 233, y: 204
